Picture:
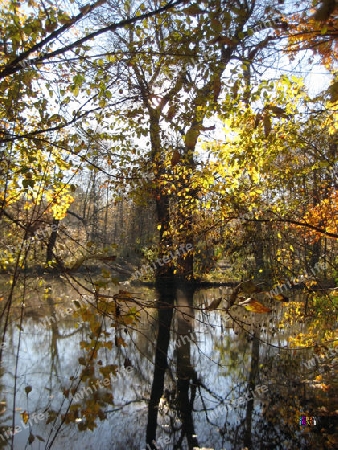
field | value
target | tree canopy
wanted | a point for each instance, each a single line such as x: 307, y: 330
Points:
x: 164, y: 141
x: 139, y: 93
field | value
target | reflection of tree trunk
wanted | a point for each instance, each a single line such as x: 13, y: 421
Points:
x: 254, y: 369
x: 55, y: 334
x: 166, y: 292
x: 185, y: 371
x: 166, y: 288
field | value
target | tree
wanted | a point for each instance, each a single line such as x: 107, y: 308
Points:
x: 46, y: 88
x: 177, y: 88
x: 134, y: 97
x: 314, y: 29
x: 276, y: 168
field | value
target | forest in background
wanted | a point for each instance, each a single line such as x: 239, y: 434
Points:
x: 129, y: 128
x: 132, y: 129
x: 139, y: 126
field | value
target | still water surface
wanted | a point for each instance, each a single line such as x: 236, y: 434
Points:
x: 223, y: 388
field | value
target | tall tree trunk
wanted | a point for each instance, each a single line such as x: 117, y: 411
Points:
x: 259, y: 250
x: 52, y: 241
x: 316, y: 198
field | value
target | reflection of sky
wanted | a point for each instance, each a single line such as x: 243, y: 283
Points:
x: 221, y: 359
x: 48, y: 371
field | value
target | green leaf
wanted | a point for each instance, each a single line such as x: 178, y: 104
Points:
x: 193, y: 10
x: 216, y: 25
x: 28, y: 183
x: 28, y: 389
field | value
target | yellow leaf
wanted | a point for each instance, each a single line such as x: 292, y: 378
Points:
x: 255, y: 306
x: 280, y: 298
x: 25, y: 417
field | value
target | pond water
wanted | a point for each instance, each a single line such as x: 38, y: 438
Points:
x: 84, y: 379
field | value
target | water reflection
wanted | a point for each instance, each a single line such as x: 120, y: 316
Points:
x: 181, y: 377
x: 178, y: 400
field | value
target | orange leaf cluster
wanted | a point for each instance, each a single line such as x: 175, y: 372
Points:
x: 318, y: 35
x: 323, y: 215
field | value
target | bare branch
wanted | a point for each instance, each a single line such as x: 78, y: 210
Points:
x: 15, y: 66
